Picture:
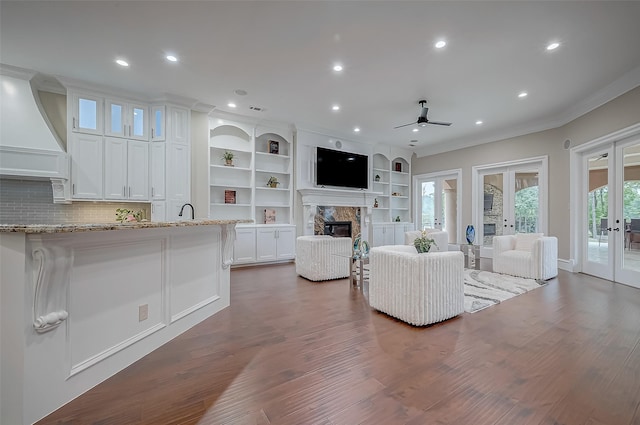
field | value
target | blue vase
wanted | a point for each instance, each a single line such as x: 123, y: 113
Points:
x: 471, y: 234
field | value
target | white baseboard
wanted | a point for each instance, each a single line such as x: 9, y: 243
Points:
x: 566, y: 265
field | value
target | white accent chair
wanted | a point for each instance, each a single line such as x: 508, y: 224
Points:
x: 321, y: 257
x: 530, y: 255
x: 416, y: 288
x: 440, y: 236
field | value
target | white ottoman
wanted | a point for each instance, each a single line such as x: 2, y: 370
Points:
x: 322, y: 257
x: 416, y: 288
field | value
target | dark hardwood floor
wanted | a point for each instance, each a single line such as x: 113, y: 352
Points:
x: 289, y: 351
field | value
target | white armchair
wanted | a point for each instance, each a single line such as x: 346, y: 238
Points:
x: 416, y: 288
x: 323, y: 257
x: 530, y: 255
x: 440, y: 236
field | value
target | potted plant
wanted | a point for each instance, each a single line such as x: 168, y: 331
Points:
x: 228, y: 158
x: 423, y: 243
x: 273, y: 182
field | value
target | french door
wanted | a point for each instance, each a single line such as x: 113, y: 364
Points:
x: 611, y: 211
x: 509, y: 198
x: 437, y: 198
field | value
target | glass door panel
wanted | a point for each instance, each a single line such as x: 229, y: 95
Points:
x: 628, y: 221
x: 493, y: 218
x: 449, y: 211
x: 526, y: 202
x: 511, y: 202
x: 437, y: 203
x: 597, y: 233
x: 428, y: 202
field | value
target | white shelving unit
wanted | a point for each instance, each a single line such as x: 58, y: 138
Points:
x: 260, y: 153
x: 381, y: 184
x: 400, y: 183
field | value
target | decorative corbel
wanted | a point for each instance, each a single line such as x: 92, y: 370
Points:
x: 228, y: 238
x: 52, y: 267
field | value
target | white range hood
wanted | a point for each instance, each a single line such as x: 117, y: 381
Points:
x: 29, y: 148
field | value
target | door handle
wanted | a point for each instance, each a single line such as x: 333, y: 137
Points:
x: 617, y: 229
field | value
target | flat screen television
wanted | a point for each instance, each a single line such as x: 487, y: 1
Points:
x: 341, y: 169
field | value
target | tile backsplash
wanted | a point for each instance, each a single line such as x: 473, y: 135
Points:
x: 31, y: 202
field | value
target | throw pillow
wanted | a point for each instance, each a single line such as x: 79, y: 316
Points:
x: 524, y: 241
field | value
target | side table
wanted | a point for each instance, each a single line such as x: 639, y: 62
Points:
x: 358, y: 276
x: 471, y: 256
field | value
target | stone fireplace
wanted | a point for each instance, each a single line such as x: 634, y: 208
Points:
x: 327, y: 206
x: 337, y: 221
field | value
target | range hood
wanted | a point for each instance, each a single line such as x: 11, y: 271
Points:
x: 29, y: 148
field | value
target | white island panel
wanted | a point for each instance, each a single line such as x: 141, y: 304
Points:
x: 71, y: 297
x: 108, y: 304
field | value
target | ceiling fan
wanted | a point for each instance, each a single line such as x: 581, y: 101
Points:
x: 423, y: 120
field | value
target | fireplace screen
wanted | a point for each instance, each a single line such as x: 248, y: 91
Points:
x: 338, y: 228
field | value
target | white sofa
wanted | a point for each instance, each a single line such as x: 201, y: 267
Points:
x: 321, y: 257
x: 440, y: 236
x: 416, y: 288
x: 530, y: 255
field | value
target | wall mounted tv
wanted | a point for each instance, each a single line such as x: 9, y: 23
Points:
x: 342, y: 169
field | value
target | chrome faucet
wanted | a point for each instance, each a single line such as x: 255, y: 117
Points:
x: 192, y: 212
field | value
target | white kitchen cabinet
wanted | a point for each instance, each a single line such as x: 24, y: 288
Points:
x: 86, y: 166
x: 85, y: 113
x: 179, y: 172
x: 115, y: 168
x: 137, y: 170
x: 178, y: 124
x: 126, y: 169
x: 159, y: 211
x: 126, y: 119
x: 158, y: 167
x: 158, y: 126
x: 274, y: 243
x: 244, y: 248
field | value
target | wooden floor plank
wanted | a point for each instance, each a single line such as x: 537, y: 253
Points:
x: 290, y: 351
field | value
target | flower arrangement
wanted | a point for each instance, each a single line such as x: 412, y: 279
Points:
x: 124, y: 215
x: 228, y: 157
x: 423, y: 243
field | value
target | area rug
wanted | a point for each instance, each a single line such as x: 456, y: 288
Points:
x: 483, y: 289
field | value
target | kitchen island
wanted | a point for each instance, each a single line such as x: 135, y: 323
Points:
x: 78, y: 303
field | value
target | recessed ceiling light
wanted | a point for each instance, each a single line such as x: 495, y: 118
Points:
x: 357, y: 129
x: 478, y: 122
x: 415, y: 130
x: 122, y: 62
x: 337, y: 67
x: 231, y: 105
x: 553, y: 45
x: 335, y: 107
x: 440, y: 44
x: 523, y: 94
x: 171, y: 58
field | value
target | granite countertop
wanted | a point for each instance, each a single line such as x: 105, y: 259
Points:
x: 93, y: 227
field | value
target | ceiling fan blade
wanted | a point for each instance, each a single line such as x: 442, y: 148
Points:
x: 424, y: 112
x: 439, y: 123
x: 411, y: 123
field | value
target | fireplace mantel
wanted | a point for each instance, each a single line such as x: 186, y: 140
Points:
x: 338, y: 197
x: 314, y: 197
